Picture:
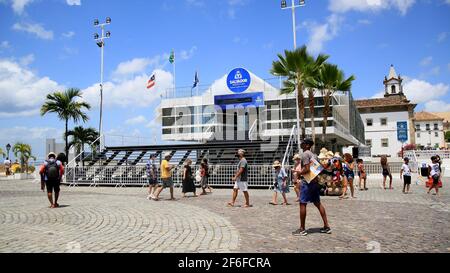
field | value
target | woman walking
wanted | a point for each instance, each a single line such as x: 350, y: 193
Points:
x: 204, y: 173
x: 188, y: 179
x: 362, y: 175
x: 280, y: 185
x: 386, y: 172
x: 349, y: 166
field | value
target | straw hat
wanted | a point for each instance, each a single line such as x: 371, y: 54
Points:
x: 167, y: 154
x: 329, y: 155
x: 337, y: 155
x: 276, y: 164
x: 324, y: 150
x: 297, y: 157
x: 51, y: 154
x: 323, y: 154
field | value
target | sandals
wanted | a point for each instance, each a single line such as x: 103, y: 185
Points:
x: 286, y: 204
x: 273, y: 204
x: 230, y: 205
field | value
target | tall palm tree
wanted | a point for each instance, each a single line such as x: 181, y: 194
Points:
x: 80, y: 137
x: 23, y: 152
x: 66, y: 106
x: 329, y: 80
x: 297, y: 66
x: 2, y: 153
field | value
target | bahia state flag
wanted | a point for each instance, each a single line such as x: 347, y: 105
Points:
x: 151, y: 82
x: 172, y: 57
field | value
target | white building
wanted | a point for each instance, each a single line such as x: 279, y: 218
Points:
x: 385, y: 119
x: 240, y: 103
x: 429, y: 129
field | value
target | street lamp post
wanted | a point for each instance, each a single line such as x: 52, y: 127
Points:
x: 294, y: 32
x: 8, y: 147
x: 101, y: 43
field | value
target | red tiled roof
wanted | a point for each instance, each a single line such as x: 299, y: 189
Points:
x: 424, y: 116
x: 382, y: 102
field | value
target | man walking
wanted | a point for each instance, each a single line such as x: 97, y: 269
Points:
x: 151, y: 177
x: 7, y: 166
x: 241, y: 180
x: 166, y: 177
x: 51, y: 173
x: 310, y: 192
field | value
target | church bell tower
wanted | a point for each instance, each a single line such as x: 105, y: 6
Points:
x: 393, y: 84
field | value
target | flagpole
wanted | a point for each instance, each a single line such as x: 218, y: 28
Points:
x: 174, y: 75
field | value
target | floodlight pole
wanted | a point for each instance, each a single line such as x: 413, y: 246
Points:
x: 101, y: 44
x: 294, y: 32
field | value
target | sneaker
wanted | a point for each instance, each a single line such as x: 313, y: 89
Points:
x: 326, y: 230
x: 300, y: 232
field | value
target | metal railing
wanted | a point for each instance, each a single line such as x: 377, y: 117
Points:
x: 427, y: 154
x: 289, y: 146
x: 253, y: 129
x: 93, y: 146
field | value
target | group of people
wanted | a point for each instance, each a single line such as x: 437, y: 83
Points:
x: 188, y: 178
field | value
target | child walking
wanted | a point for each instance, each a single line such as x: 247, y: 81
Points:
x: 435, y: 174
x: 362, y: 175
x: 405, y: 173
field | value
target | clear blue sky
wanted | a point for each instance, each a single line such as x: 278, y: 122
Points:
x: 46, y: 45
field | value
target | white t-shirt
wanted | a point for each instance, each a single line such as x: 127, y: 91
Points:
x: 435, y: 169
x: 7, y: 163
x: 406, y: 170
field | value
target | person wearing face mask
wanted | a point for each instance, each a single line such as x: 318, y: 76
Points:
x: 51, y: 173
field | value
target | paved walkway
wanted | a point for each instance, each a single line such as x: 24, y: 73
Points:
x: 122, y: 220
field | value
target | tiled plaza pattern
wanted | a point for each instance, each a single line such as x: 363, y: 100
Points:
x: 122, y: 220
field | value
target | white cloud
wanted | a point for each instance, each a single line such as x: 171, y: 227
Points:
x: 23, y: 92
x: 36, y: 29
x: 320, y: 34
x: 130, y: 92
x: 19, y: 5
x: 437, y: 106
x: 426, y: 61
x: 5, y: 45
x: 434, y: 71
x: 68, y: 34
x: 136, y: 120
x: 342, y: 6
x: 73, y: 2
x: 419, y: 91
x: 442, y: 36
x: 27, y: 60
x: 188, y: 54
x: 136, y: 65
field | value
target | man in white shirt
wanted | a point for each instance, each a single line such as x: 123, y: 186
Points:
x: 405, y: 172
x: 7, y: 166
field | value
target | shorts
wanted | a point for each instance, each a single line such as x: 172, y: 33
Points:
x: 407, y: 179
x: 166, y: 182
x: 241, y: 185
x: 386, y: 173
x: 52, y: 186
x: 435, y: 179
x: 152, y: 181
x: 310, y: 193
x: 350, y: 175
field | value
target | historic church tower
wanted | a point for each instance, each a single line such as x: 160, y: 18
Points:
x: 393, y: 84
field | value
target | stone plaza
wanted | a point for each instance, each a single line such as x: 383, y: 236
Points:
x: 108, y: 219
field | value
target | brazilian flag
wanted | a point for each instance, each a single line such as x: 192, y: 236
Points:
x: 172, y: 57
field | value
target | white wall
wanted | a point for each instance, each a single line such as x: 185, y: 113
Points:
x: 428, y: 138
x: 376, y: 132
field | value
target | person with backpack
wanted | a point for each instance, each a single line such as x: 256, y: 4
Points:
x: 51, y: 173
x: 7, y: 166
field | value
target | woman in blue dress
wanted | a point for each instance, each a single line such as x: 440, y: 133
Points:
x: 280, y: 185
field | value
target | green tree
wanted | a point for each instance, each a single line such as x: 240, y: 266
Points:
x: 2, y: 153
x: 23, y: 152
x: 66, y: 106
x: 297, y: 66
x: 81, y: 136
x: 447, y: 136
x: 329, y: 80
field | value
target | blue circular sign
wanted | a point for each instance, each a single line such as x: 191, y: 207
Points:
x: 238, y: 80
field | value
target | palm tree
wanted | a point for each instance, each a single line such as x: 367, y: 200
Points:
x: 297, y: 66
x: 23, y: 151
x: 80, y: 137
x: 2, y: 153
x: 329, y: 80
x: 66, y: 107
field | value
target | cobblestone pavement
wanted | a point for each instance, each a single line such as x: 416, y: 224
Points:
x: 122, y: 220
